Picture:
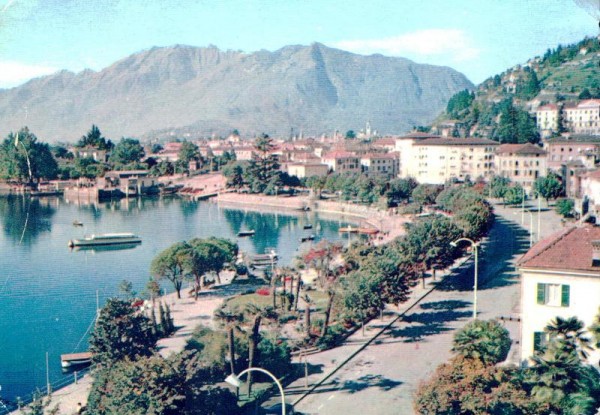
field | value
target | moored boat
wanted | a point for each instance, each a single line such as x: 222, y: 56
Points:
x: 77, y: 223
x: 308, y: 226
x: 75, y: 359
x: 106, y: 239
x: 307, y: 238
x: 246, y: 233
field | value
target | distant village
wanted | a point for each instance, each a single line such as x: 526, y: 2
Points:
x: 434, y: 157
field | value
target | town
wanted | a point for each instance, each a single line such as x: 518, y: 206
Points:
x: 439, y: 258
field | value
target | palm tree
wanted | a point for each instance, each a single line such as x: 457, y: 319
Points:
x: 484, y: 340
x: 595, y: 329
x: 230, y: 318
x: 257, y: 314
x: 569, y: 335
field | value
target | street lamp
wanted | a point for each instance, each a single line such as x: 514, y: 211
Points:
x: 531, y: 227
x: 474, y: 245
x: 234, y: 380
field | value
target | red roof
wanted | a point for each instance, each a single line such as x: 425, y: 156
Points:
x: 548, y: 107
x: 339, y: 154
x: 569, y: 249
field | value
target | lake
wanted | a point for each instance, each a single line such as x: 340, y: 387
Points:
x: 48, y: 291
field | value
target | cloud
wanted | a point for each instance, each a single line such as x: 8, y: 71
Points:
x: 430, y: 43
x: 16, y: 73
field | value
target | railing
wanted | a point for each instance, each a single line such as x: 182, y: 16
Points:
x: 8, y: 407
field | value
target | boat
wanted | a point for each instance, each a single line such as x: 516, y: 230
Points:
x: 246, y: 233
x: 349, y: 229
x: 106, y: 239
x: 307, y: 238
x: 75, y: 359
x: 104, y: 248
x: 308, y: 226
x: 77, y: 223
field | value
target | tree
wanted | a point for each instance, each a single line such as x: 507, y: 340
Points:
x: 564, y: 207
x: 230, y: 318
x: 24, y: 159
x: 174, y: 264
x: 514, y: 195
x: 121, y: 332
x: 569, y: 335
x: 149, y: 385
x: 94, y: 138
x: 585, y: 94
x: 515, y: 126
x: 595, y: 329
x: 549, y: 187
x: 256, y: 314
x: 350, y: 135
x: 459, y: 102
x: 361, y: 295
x: 425, y: 194
x: 262, y: 173
x: 485, y: 340
x: 128, y: 150
x: 126, y: 289
x: 400, y: 189
x: 497, y: 187
x: 188, y: 152
x: 234, y: 172
x: 468, y: 386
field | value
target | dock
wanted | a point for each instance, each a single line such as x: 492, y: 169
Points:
x: 73, y: 359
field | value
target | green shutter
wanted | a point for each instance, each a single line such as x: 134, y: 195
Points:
x: 564, y: 300
x: 537, y: 340
x: 541, y: 293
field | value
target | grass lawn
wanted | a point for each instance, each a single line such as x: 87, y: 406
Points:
x: 241, y: 300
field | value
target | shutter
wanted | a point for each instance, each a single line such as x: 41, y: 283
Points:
x: 541, y: 293
x: 537, y: 341
x: 565, y: 294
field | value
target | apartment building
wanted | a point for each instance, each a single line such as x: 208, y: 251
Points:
x: 547, y: 119
x: 301, y: 170
x: 342, y: 162
x: 380, y: 164
x: 435, y: 159
x: 584, y: 118
x: 560, y: 276
x: 570, y: 148
x: 521, y: 163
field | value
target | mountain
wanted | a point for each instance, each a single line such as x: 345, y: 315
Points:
x: 203, y: 91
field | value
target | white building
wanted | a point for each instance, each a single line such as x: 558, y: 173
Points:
x: 560, y: 276
x: 584, y: 118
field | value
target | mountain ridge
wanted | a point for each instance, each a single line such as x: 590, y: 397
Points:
x: 205, y: 91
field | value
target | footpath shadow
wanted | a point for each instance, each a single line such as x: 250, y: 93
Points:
x: 496, y: 269
x: 433, y: 320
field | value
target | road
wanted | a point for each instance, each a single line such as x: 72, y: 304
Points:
x: 383, y: 378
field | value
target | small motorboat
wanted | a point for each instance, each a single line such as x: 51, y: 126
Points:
x: 77, y: 223
x: 246, y: 233
x: 75, y: 359
x: 307, y: 238
x: 308, y: 226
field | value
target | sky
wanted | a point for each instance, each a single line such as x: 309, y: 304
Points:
x: 480, y: 38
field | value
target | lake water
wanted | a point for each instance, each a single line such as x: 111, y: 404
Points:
x: 48, y: 292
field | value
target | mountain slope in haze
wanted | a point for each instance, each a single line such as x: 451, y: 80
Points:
x: 204, y: 91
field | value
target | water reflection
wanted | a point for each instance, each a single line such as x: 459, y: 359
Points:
x: 24, y: 218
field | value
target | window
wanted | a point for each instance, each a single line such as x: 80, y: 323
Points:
x: 556, y: 295
x: 540, y: 340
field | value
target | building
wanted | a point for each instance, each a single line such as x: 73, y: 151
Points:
x: 301, y: 170
x: 382, y: 164
x: 435, y: 160
x: 100, y: 156
x: 572, y: 147
x: 521, y: 163
x: 584, y: 118
x: 547, y: 119
x: 560, y: 276
x: 342, y: 162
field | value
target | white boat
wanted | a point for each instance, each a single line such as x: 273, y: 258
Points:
x: 106, y: 239
x: 75, y: 359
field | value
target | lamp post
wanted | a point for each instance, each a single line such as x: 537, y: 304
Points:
x: 474, y: 245
x: 234, y: 380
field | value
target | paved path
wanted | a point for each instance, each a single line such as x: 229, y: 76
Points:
x: 382, y: 379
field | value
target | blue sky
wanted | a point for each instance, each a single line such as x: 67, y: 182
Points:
x: 477, y: 37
